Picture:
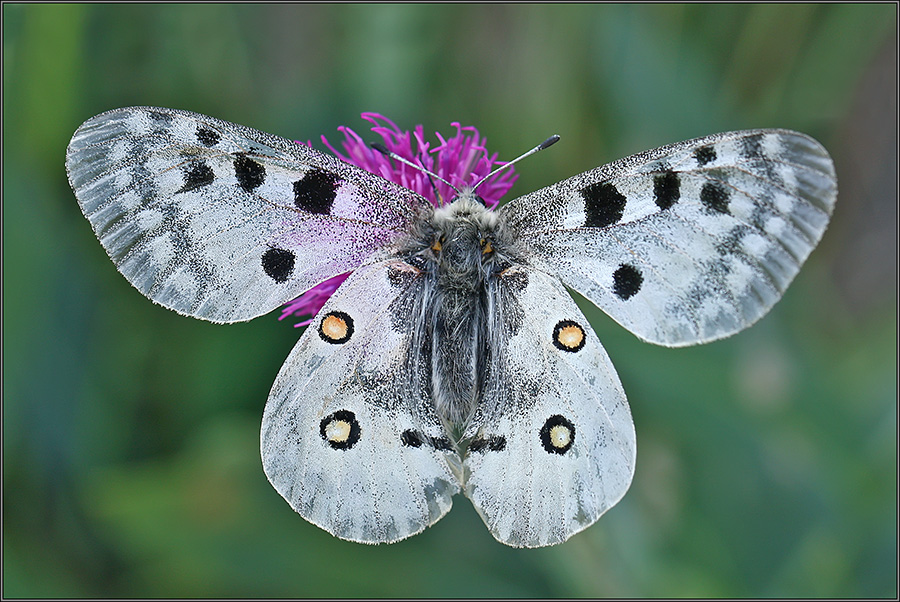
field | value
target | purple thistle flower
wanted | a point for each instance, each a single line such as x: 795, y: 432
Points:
x: 310, y: 302
x: 461, y: 159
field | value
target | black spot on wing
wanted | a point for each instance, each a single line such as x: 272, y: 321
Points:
x: 751, y: 147
x: 249, y: 173
x: 627, y: 281
x: 315, y: 192
x: 491, y: 443
x: 199, y: 175
x: 278, y: 264
x: 160, y: 117
x: 411, y: 438
x: 441, y: 443
x: 666, y: 189
x: 207, y: 137
x: 603, y: 205
x: 705, y: 154
x: 715, y: 196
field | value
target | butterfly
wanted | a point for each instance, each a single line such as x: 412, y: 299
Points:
x: 453, y: 358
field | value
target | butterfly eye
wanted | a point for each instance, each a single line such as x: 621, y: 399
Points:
x: 557, y: 435
x: 340, y: 429
x: 568, y: 336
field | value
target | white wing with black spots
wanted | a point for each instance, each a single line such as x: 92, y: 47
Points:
x: 552, y: 441
x: 686, y: 243
x: 350, y: 436
x: 222, y: 222
x: 452, y: 358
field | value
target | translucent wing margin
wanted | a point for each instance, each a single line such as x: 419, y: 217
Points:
x: 220, y: 221
x: 690, y: 242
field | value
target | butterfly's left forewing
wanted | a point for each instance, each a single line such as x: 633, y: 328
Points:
x: 220, y: 221
x: 552, y: 443
x: 350, y: 437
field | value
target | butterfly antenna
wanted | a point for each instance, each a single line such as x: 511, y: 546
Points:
x: 431, y: 175
x: 546, y: 143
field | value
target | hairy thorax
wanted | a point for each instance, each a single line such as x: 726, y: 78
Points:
x: 462, y: 250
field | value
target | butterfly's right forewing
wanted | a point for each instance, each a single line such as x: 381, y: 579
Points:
x: 220, y: 221
x: 686, y: 243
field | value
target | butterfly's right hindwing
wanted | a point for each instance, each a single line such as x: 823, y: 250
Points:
x: 350, y: 436
x: 552, y: 443
x: 220, y: 221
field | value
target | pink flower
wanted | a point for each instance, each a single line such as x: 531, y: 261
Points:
x: 461, y: 159
x: 310, y: 302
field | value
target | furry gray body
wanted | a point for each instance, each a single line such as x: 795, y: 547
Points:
x: 462, y: 250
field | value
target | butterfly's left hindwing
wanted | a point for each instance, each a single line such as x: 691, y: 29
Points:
x: 552, y: 443
x: 350, y: 436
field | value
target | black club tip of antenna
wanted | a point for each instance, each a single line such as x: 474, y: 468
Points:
x: 549, y: 141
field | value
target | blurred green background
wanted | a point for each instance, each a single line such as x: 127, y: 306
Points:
x: 767, y: 463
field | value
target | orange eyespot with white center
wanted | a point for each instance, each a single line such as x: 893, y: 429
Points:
x: 336, y: 327
x: 568, y: 336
